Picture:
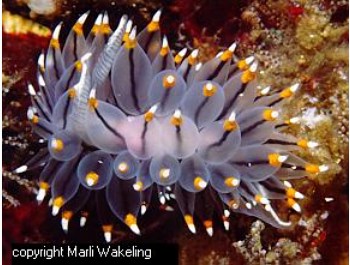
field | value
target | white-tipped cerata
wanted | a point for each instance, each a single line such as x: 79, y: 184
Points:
x: 128, y: 26
x: 296, y: 207
x: 282, y: 158
x: 82, y: 221
x: 265, y: 90
x: 253, y: 67
x: 137, y: 186
x: 56, y: 32
x: 41, y: 60
x: 298, y: 195
x: 249, y: 59
x: 192, y: 228
x: 105, y: 19
x: 132, y: 35
x: 219, y: 54
x: 232, y: 116
x: 198, y: 66
x: 23, y: 168
x: 83, y: 18
x: 226, y: 213
x: 194, y: 53
x: 183, y: 52
x: 41, y: 195
x: 55, y: 210
x: 264, y: 200
x: 64, y: 224
x: 41, y: 80
x: 99, y: 19
x: 287, y: 184
x: 30, y: 113
x: 135, y: 229
x: 274, y: 114
x: 210, y: 231
x: 227, y: 225
x: 167, y: 196
x: 108, y: 236
x: 122, y: 23
x: 165, y: 43
x: 232, y: 47
x: 156, y: 16
x: 143, y: 209
x: 294, y: 88
x: 31, y: 90
x: 92, y: 93
x: 162, y: 199
x: 154, y: 108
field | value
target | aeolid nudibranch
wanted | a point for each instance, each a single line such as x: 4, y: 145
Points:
x: 121, y: 116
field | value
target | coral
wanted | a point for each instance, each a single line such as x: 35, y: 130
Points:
x: 285, y: 251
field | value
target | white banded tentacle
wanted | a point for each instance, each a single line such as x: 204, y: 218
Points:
x: 107, y: 56
x: 80, y: 107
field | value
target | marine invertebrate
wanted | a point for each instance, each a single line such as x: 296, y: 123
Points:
x: 121, y: 115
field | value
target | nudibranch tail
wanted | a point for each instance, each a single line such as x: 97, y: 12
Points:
x: 121, y: 114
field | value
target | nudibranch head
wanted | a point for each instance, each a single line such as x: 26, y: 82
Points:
x: 121, y: 114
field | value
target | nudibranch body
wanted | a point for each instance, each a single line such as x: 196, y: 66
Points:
x: 121, y: 116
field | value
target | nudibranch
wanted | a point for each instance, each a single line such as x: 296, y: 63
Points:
x: 122, y: 117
